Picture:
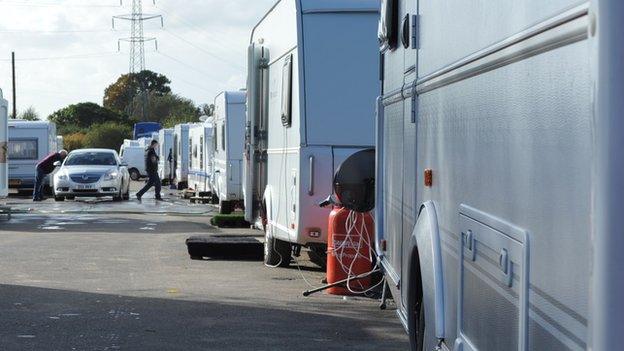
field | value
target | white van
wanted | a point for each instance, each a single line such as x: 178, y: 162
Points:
x: 500, y: 173
x: 181, y: 154
x: 229, y: 129
x: 165, y: 152
x: 29, y: 142
x: 312, y: 82
x: 132, y: 153
x: 201, y: 158
x: 4, y: 139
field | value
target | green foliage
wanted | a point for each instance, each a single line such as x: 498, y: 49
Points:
x: 109, y: 135
x: 30, y: 114
x: 120, y: 96
x: 74, y: 141
x: 234, y: 220
x: 171, y: 108
x: 78, y: 117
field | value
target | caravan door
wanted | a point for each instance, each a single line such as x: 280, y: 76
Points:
x: 255, y: 133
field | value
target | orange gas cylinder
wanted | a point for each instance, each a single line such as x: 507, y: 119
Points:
x: 349, y: 251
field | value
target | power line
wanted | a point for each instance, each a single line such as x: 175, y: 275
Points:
x: 51, y: 4
x: 67, y: 57
x: 188, y: 65
x: 228, y: 62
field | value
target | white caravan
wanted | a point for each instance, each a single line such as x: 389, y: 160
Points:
x: 4, y: 139
x: 29, y: 142
x: 500, y: 173
x: 165, y: 152
x: 132, y: 153
x: 181, y: 154
x: 312, y: 84
x: 229, y: 129
x: 201, y: 158
x: 60, y: 144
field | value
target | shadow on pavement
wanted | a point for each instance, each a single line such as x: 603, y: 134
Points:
x: 47, y: 319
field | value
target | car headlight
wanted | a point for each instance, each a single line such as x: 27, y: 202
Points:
x: 62, y: 175
x: 111, y: 175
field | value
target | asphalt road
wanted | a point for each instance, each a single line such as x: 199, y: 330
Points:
x: 97, y: 275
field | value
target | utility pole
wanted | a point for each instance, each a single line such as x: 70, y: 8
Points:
x: 14, y: 90
x: 137, y: 45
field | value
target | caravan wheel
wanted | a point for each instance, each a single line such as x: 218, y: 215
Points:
x: 415, y: 308
x: 134, y: 174
x: 277, y: 253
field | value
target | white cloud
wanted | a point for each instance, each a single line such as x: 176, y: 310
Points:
x: 202, y: 48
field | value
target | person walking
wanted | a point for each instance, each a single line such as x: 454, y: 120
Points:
x: 151, y: 166
x: 45, y: 167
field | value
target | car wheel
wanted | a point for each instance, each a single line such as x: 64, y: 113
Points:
x: 277, y: 253
x: 59, y: 198
x: 134, y: 174
x: 70, y: 197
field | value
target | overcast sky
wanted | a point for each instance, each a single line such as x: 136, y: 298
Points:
x: 67, y: 51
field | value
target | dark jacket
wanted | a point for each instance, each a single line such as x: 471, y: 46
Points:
x: 151, y: 160
x: 47, y: 164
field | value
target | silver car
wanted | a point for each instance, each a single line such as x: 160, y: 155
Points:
x: 92, y: 173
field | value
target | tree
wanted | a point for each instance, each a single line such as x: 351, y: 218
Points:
x: 30, y: 114
x: 109, y: 135
x: 74, y: 141
x: 78, y: 117
x: 207, y: 109
x: 172, y: 106
x: 120, y: 95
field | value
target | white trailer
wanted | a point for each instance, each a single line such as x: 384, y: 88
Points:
x: 500, y: 173
x: 229, y: 129
x: 202, y: 157
x: 4, y: 139
x: 29, y: 142
x: 312, y: 82
x: 181, y: 154
x: 60, y: 144
x: 165, y: 146
x: 132, y: 153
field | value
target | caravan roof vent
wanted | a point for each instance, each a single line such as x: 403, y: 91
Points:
x: 354, y: 181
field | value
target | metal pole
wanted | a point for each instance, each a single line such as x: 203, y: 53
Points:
x: 14, y: 90
x: 606, y: 321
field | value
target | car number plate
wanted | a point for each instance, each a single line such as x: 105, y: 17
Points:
x: 84, y: 187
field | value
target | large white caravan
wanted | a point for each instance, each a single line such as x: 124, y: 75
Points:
x: 312, y: 83
x: 500, y: 172
x: 181, y: 154
x: 29, y: 142
x: 4, y: 139
x: 165, y: 152
x: 229, y: 131
x: 201, y: 158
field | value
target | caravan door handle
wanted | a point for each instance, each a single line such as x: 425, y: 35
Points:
x: 311, y: 182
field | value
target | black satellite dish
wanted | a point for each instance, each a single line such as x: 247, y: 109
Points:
x: 354, y: 182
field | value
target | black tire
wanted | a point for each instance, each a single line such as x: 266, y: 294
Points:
x: 226, y: 207
x: 126, y: 196
x: 277, y: 253
x: 214, y: 199
x: 415, y: 308
x: 47, y: 190
x: 318, y: 256
x: 59, y: 198
x: 134, y: 174
x: 70, y: 197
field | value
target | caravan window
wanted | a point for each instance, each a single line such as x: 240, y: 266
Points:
x: 23, y: 149
x: 191, y: 154
x: 223, y: 137
x: 388, y: 32
x: 287, y: 92
x: 201, y: 152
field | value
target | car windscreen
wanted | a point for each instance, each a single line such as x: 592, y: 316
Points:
x: 91, y: 159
